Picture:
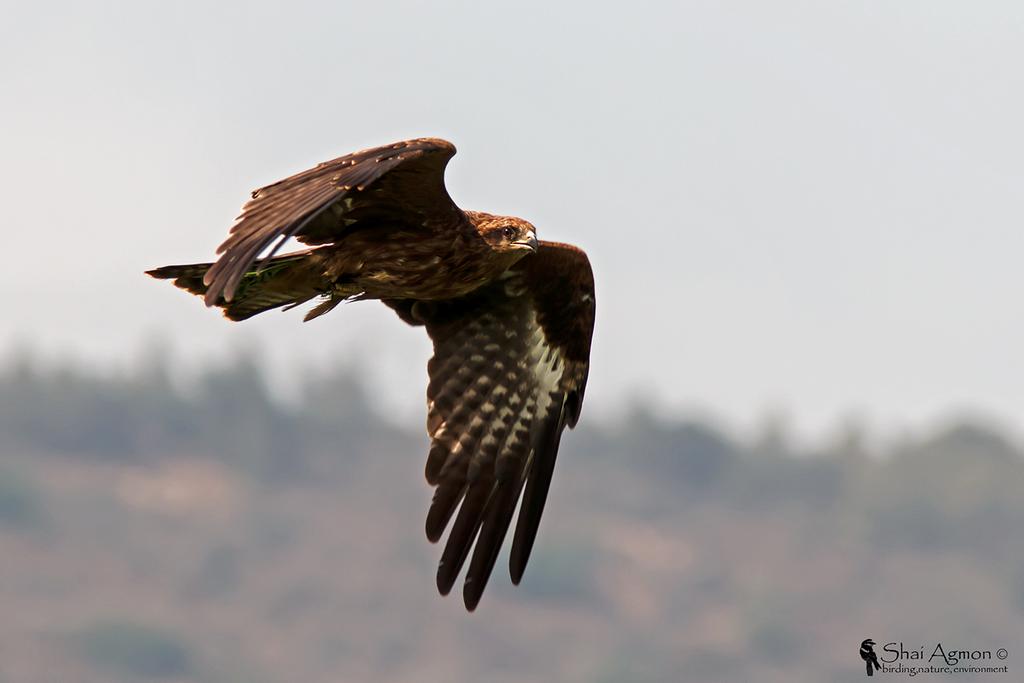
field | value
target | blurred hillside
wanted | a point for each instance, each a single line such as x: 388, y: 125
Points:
x: 150, y: 531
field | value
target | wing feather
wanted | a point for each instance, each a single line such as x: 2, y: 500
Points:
x: 395, y: 185
x: 536, y: 494
x: 508, y: 375
x: 464, y: 530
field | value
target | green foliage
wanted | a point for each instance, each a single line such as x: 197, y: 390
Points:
x: 562, y: 572
x: 218, y: 573
x: 21, y: 502
x: 229, y: 414
x: 773, y: 481
x: 960, y: 489
x: 688, y: 454
x: 131, y: 650
x: 730, y: 555
x: 776, y: 641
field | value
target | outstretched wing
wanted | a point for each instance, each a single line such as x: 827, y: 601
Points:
x: 399, y: 185
x: 507, y: 376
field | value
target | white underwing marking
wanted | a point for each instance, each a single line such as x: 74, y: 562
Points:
x: 546, y: 367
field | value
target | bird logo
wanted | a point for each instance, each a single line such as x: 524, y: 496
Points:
x: 867, y: 653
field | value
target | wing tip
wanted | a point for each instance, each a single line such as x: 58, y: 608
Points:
x: 433, y: 533
x: 518, y: 558
x: 437, y: 142
x: 517, y: 566
x: 445, y: 580
x: 471, y: 594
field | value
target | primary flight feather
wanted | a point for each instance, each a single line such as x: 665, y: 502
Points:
x: 511, y: 320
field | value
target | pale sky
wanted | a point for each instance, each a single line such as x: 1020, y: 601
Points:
x: 808, y: 207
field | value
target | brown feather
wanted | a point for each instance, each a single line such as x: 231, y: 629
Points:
x: 467, y: 523
x: 536, y: 494
x: 507, y: 376
x: 321, y: 204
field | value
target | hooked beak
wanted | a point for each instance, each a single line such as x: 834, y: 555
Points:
x: 528, y: 243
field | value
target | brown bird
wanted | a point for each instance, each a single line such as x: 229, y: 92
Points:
x: 511, y: 320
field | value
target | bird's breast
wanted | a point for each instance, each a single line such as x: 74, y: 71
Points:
x: 413, y: 266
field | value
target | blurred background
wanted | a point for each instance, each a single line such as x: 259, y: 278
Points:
x: 805, y: 419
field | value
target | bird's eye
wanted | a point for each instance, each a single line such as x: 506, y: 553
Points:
x: 508, y: 232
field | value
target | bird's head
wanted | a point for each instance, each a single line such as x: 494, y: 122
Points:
x: 505, y: 234
x: 868, y: 643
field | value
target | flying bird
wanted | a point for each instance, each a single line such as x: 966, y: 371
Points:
x: 510, y: 317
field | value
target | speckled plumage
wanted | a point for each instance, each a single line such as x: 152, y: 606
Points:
x: 511, y: 320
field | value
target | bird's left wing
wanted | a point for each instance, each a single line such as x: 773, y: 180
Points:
x: 401, y: 184
x: 507, y: 376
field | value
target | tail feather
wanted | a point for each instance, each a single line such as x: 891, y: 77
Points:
x: 284, y: 281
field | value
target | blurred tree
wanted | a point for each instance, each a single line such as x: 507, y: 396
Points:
x: 133, y: 650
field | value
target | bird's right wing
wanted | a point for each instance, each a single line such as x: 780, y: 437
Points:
x: 399, y: 185
x: 508, y: 375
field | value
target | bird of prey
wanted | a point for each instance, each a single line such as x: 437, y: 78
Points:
x: 510, y: 318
